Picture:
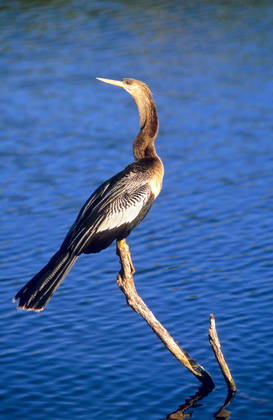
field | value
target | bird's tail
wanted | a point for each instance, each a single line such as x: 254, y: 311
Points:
x: 38, y: 291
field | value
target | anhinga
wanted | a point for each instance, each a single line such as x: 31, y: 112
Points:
x: 112, y: 211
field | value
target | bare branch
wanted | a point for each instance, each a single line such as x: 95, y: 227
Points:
x: 126, y: 283
x: 216, y: 346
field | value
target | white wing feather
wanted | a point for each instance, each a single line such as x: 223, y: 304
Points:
x: 119, y: 217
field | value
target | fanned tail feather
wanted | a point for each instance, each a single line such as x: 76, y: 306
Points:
x: 38, y: 291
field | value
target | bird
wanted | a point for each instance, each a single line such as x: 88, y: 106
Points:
x: 113, y: 210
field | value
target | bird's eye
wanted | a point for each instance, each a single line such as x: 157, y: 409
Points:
x: 127, y: 81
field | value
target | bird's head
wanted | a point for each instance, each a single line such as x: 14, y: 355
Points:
x: 136, y: 88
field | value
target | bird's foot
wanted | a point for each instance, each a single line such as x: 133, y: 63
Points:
x: 124, y: 246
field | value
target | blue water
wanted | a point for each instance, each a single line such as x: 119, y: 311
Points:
x: 205, y: 247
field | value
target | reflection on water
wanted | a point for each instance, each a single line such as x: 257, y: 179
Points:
x: 191, y: 403
x: 206, y: 246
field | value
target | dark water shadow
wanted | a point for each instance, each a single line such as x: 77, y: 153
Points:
x: 192, y: 402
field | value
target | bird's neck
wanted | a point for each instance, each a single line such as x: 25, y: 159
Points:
x: 143, y: 146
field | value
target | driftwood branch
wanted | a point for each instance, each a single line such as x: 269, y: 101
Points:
x: 216, y: 346
x: 126, y: 283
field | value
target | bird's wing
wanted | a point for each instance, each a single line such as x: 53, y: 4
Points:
x: 116, y: 202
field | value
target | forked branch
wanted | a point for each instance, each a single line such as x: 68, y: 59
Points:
x: 126, y: 283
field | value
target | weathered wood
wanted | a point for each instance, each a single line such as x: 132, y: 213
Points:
x: 126, y: 283
x: 216, y: 346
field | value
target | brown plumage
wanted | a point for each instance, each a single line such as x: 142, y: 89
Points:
x: 112, y: 211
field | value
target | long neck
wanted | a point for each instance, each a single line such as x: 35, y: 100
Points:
x: 143, y: 145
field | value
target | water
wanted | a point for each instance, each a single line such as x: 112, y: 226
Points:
x: 205, y: 247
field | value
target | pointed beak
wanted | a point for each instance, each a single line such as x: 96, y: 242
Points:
x: 112, y: 82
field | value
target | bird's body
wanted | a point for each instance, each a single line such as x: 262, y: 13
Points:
x: 112, y: 211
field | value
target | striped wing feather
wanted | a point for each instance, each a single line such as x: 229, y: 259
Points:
x: 112, y: 211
